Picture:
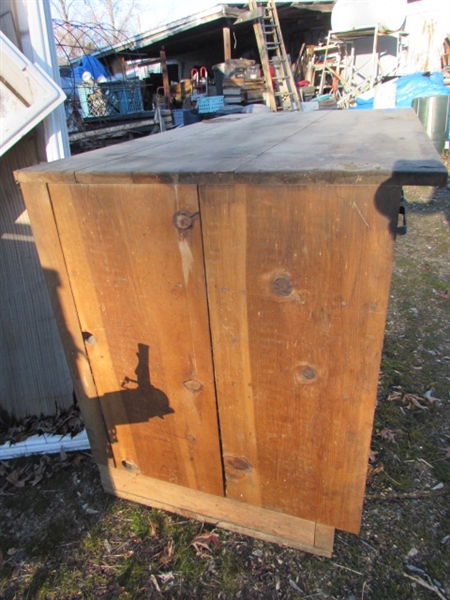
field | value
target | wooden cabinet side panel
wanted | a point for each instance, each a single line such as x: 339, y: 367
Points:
x: 139, y: 287
x: 298, y: 283
x: 52, y: 261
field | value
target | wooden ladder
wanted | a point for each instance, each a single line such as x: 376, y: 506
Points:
x: 280, y: 82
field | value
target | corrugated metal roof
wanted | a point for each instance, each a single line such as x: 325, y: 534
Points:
x: 163, y: 32
x: 220, y: 11
x: 320, y: 5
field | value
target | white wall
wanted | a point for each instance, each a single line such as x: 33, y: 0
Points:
x: 36, y: 36
x: 34, y: 377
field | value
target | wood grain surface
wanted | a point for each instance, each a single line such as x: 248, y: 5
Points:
x: 138, y: 284
x: 322, y: 147
x: 298, y: 285
x: 222, y: 512
x: 229, y: 285
x: 54, y: 269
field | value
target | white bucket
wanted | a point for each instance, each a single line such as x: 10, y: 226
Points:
x: 389, y: 15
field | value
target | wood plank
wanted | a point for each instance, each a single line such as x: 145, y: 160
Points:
x: 249, y: 15
x: 55, y: 273
x: 222, y: 512
x: 350, y: 148
x: 324, y: 538
x: 225, y: 223
x: 226, y: 43
x: 326, y: 147
x: 65, y: 170
x: 139, y: 287
x: 109, y: 131
x: 298, y: 285
x: 209, y: 160
x: 165, y: 74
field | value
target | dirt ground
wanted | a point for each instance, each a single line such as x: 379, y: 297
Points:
x: 62, y: 537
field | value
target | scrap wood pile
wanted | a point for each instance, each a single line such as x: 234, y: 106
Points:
x: 243, y: 82
x: 328, y: 71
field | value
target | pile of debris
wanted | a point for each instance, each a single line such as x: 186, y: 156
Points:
x: 241, y: 81
x: 62, y: 423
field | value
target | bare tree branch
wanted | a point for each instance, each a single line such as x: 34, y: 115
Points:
x: 82, y: 26
x: 117, y: 19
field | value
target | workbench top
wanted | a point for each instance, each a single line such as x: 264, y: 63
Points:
x: 322, y: 147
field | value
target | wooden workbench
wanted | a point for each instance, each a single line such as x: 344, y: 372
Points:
x: 221, y: 292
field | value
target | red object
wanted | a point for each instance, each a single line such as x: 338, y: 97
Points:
x: 272, y: 76
x: 194, y: 75
x: 198, y: 74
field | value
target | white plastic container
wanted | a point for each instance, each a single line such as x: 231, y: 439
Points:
x: 389, y: 15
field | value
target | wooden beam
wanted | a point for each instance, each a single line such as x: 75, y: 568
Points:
x: 39, y: 206
x: 226, y: 43
x: 228, y: 514
x: 165, y: 74
x: 250, y: 15
x: 83, y: 135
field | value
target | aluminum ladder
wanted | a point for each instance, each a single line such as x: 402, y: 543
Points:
x: 280, y: 82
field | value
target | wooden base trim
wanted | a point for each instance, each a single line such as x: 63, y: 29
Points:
x: 222, y: 512
x: 324, y: 538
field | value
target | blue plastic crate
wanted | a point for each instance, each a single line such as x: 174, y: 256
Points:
x: 210, y: 104
x: 184, y: 116
x: 110, y: 98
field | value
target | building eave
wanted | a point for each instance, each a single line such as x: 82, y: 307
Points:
x: 169, y: 30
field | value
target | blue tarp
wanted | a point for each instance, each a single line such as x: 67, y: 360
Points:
x: 94, y: 66
x: 410, y: 87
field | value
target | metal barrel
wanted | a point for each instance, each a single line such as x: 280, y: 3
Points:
x: 434, y: 114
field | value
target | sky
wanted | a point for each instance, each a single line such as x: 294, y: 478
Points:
x: 157, y: 12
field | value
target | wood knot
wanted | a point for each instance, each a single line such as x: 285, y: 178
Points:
x: 306, y: 374
x: 192, y: 385
x: 282, y: 286
x: 237, y: 463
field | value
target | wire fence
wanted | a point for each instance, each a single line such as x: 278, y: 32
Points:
x: 75, y: 39
x: 98, y: 96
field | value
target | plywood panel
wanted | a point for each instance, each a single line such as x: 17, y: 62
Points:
x: 298, y: 284
x: 138, y: 283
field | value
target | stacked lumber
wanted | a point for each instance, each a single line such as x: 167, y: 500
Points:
x: 242, y: 83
